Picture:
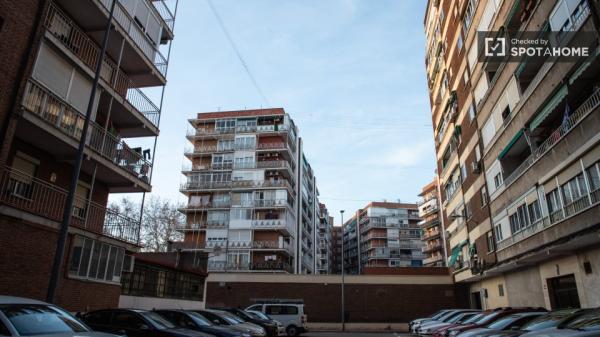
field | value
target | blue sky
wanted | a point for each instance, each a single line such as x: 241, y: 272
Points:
x: 349, y: 72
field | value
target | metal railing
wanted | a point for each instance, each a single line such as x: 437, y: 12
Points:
x: 165, y: 13
x: 68, y: 33
x: 36, y: 196
x: 568, y: 124
x: 208, y: 205
x: 148, y: 47
x: 579, y: 205
x: 69, y: 121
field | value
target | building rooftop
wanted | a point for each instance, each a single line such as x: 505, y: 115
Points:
x: 240, y: 113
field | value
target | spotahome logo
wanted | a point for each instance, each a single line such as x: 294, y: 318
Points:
x: 556, y: 46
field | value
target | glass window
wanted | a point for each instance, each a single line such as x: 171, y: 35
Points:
x: 128, y: 320
x: 281, y: 310
x: 534, y: 211
x: 553, y: 200
x: 30, y: 319
x: 593, y: 173
x: 94, y: 260
x: 157, y: 320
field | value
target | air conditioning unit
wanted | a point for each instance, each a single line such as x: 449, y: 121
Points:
x: 128, y: 263
x: 476, y: 166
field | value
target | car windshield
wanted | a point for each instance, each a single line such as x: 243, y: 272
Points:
x: 547, y: 321
x: 230, y: 318
x: 466, y: 317
x: 587, y: 322
x: 259, y: 314
x: 157, y: 320
x: 473, y: 319
x: 446, y: 315
x: 487, y: 318
x: 457, y: 318
x: 34, y: 319
x: 199, y: 319
x: 502, y: 323
x: 242, y: 315
x: 451, y: 316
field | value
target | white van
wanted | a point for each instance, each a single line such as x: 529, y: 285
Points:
x: 291, y: 315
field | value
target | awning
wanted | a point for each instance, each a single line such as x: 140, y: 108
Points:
x: 550, y: 106
x: 456, y: 252
x: 584, y: 66
x: 510, y: 144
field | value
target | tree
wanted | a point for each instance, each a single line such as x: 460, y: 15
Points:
x: 160, y: 221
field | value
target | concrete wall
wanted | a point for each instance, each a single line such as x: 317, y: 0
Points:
x: 524, y: 288
x: 369, y: 299
x: 150, y: 303
x: 494, y: 299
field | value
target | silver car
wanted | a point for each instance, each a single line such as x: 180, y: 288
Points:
x: 510, y: 322
x: 27, y: 317
x: 232, y: 321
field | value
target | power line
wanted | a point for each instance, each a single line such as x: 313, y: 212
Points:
x: 237, y: 52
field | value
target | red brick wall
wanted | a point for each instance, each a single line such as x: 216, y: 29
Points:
x: 364, y: 302
x: 25, y: 263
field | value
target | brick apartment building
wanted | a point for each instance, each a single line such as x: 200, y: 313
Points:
x: 382, y: 234
x: 49, y: 52
x: 432, y: 232
x: 519, y: 137
x: 252, y: 196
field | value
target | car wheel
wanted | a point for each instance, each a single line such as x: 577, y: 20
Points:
x: 292, y: 331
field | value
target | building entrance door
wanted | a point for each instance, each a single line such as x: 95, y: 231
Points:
x: 476, y: 300
x: 563, y: 292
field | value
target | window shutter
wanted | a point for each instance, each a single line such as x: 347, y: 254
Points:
x: 53, y: 71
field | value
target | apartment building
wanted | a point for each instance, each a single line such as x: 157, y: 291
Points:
x: 251, y: 193
x: 44, y: 101
x: 336, y: 250
x: 432, y: 232
x: 324, y: 247
x: 383, y: 234
x: 538, y: 149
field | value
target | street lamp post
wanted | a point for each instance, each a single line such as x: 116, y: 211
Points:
x: 343, y: 304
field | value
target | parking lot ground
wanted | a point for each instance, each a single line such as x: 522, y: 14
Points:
x: 357, y: 334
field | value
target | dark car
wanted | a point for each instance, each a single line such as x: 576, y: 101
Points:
x: 490, y: 316
x: 195, y: 321
x: 270, y: 326
x: 547, y: 321
x: 506, y: 323
x: 233, y: 322
x: 136, y: 323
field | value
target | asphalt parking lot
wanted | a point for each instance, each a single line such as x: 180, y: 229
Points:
x: 357, y: 334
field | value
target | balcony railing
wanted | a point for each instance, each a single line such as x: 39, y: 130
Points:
x: 432, y: 259
x: 579, y: 205
x: 272, y: 224
x: 41, y: 198
x: 568, y: 124
x: 208, y: 205
x: 267, y: 266
x: 142, y: 41
x: 81, y: 45
x: 165, y: 13
x: 69, y: 121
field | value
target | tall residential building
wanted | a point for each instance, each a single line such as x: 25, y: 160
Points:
x: 539, y: 153
x: 383, y: 234
x: 432, y: 232
x: 324, y: 255
x: 53, y: 51
x: 337, y: 250
x: 251, y: 193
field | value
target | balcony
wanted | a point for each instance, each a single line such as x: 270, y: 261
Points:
x: 165, y: 14
x: 266, y: 266
x: 282, y: 225
x: 433, y: 259
x: 49, y: 112
x: 576, y: 207
x: 46, y: 200
x: 273, y: 245
x: 200, y: 207
x: 555, y: 137
x: 431, y: 247
x: 134, y: 112
x: 429, y: 235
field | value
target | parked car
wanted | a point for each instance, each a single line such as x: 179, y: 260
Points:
x: 444, y: 331
x: 490, y: 316
x: 424, y: 327
x: 438, y: 318
x: 429, y: 327
x: 549, y: 320
x: 136, y: 323
x: 510, y: 322
x: 271, y: 326
x: 291, y: 315
x: 582, y: 325
x: 232, y: 321
x: 434, y: 316
x: 26, y: 317
x: 195, y: 321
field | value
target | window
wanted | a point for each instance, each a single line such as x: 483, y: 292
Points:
x: 281, y: 310
x: 519, y: 220
x: 245, y: 142
x: 471, y: 112
x: 459, y: 43
x: 469, y: 13
x: 498, y: 180
x: 224, y: 124
x: 501, y: 290
x: 498, y: 231
x: 488, y: 131
x: 94, y: 260
x: 574, y: 189
x: 225, y: 145
x: 553, y: 200
x: 463, y: 172
x: 127, y: 320
x: 241, y: 214
x: 98, y: 317
x: 82, y: 194
x: 593, y: 173
x: 34, y: 319
x: 534, y: 211
x: 20, y: 183
x: 491, y: 245
x: 566, y: 15
x: 484, y: 196
x: 468, y: 211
